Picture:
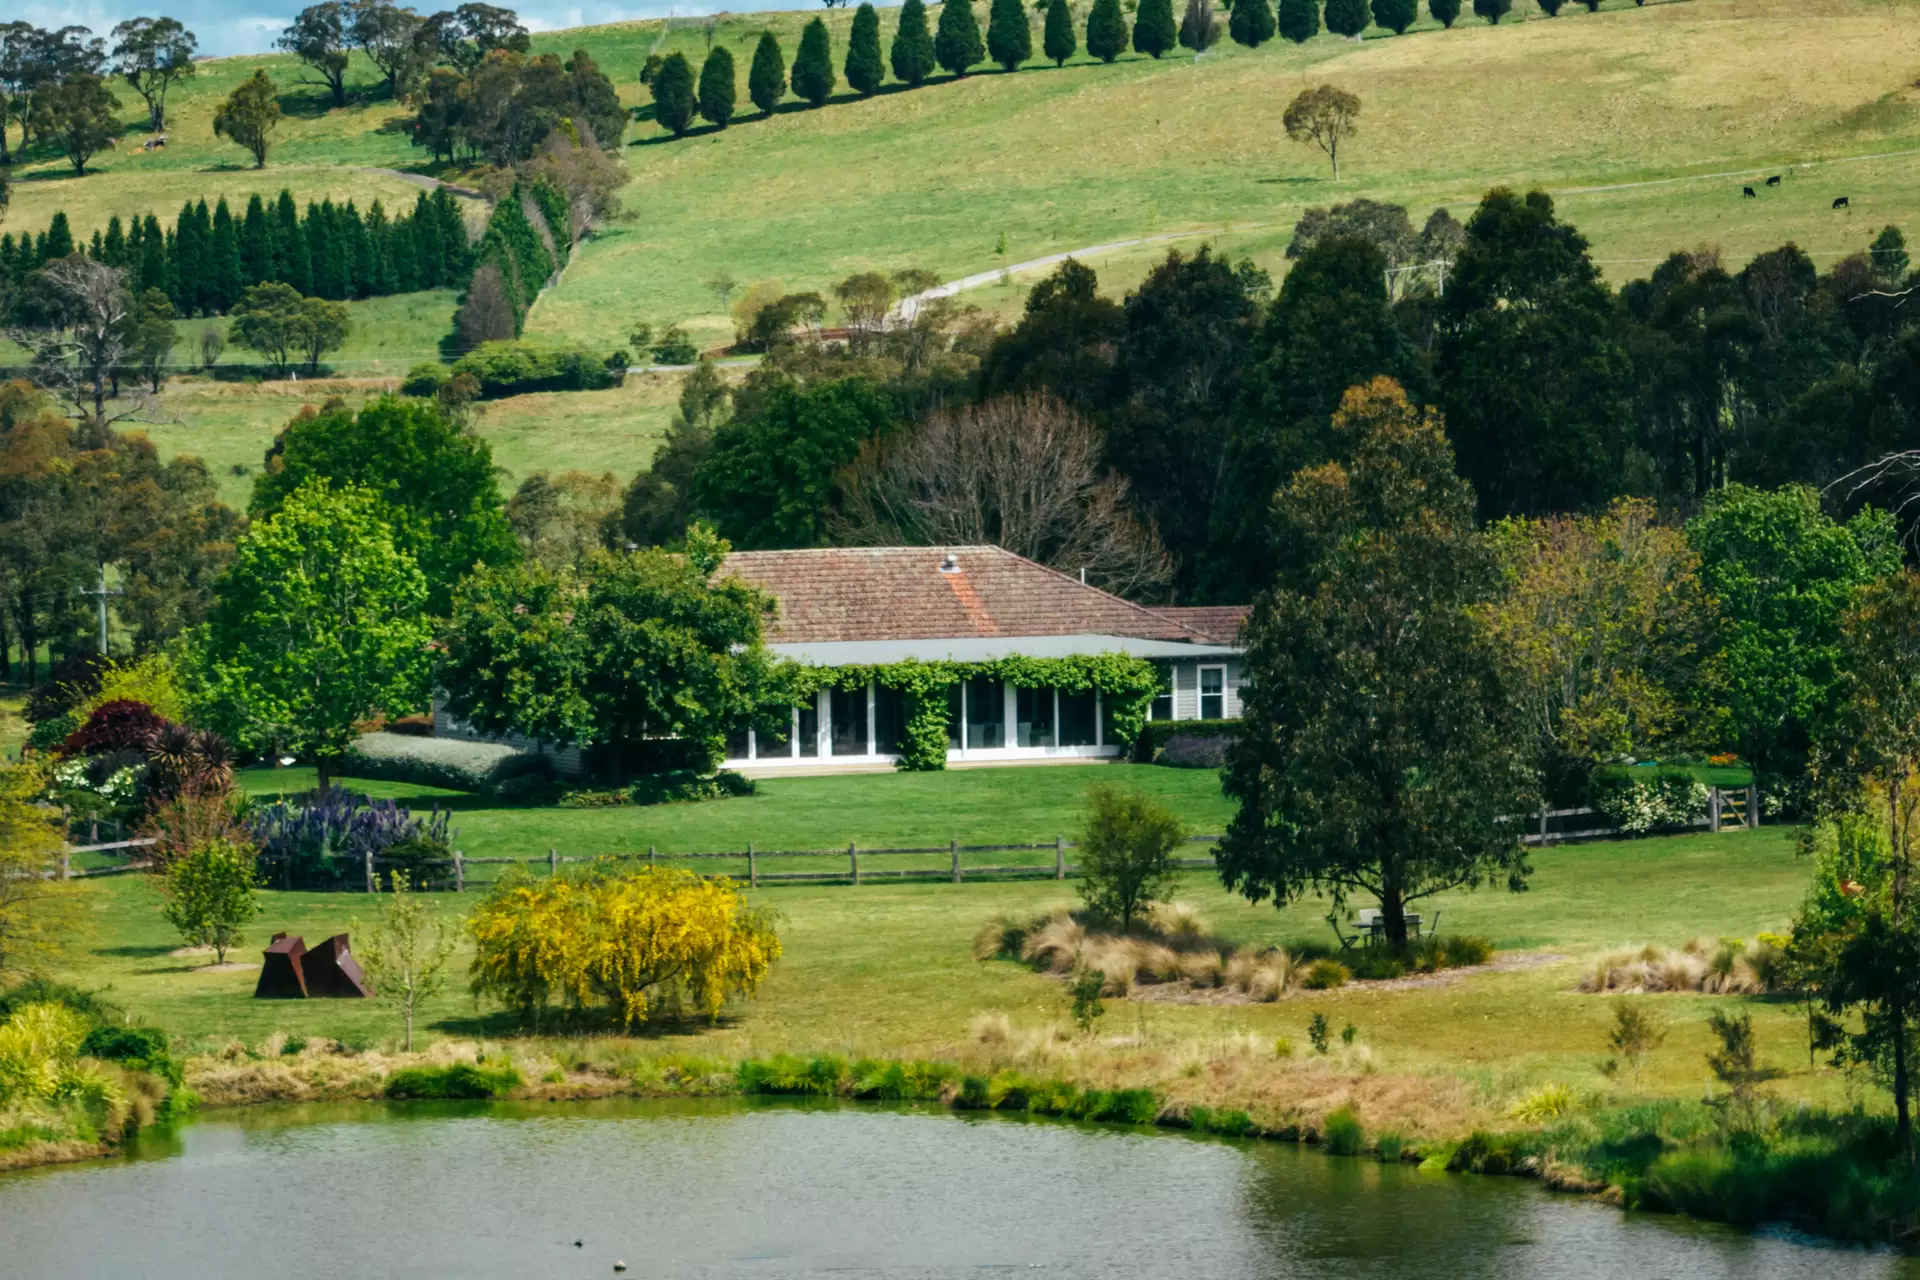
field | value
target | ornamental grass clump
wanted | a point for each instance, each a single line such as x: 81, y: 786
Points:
x: 1727, y: 967
x: 625, y: 947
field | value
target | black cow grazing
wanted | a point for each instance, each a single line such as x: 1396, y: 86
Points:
x: 1774, y: 181
x: 1840, y: 202
x: 1747, y: 192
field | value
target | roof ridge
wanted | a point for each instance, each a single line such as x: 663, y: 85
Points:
x: 1122, y: 600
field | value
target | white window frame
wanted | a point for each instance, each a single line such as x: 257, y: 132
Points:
x: 1200, y: 690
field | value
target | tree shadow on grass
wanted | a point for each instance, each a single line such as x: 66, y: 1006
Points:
x: 1305, y: 181
x: 505, y: 1024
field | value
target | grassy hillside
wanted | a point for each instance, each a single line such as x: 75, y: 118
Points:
x: 1642, y: 121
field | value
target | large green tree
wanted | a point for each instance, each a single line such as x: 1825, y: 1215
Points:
x: 1057, y: 38
x: 1782, y: 573
x: 1063, y: 343
x: 1347, y: 17
x: 813, y: 77
x: 1445, y: 12
x: 1299, y: 20
x: 320, y: 625
x: 1154, y: 30
x: 1396, y: 15
x: 1380, y: 749
x: 717, y: 87
x: 249, y: 115
x: 956, y: 42
x: 1857, y: 938
x: 436, y: 482
x: 912, y: 53
x: 1251, y: 23
x: 769, y: 479
x: 152, y: 54
x: 865, y: 67
x: 622, y: 645
x: 673, y: 95
x: 1330, y: 329
x: 81, y: 116
x: 1532, y: 378
x: 1492, y: 10
x: 1106, y: 30
x: 1009, y: 37
x: 767, y: 77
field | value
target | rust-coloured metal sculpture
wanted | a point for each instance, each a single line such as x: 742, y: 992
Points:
x: 328, y: 971
x: 281, y: 977
x: 332, y: 971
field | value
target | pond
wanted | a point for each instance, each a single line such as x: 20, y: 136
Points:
x: 729, y: 1188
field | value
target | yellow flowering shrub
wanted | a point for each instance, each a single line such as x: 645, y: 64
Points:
x: 630, y: 946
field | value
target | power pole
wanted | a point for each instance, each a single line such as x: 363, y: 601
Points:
x: 100, y: 593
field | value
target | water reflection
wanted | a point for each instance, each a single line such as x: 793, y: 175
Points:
x: 728, y: 1188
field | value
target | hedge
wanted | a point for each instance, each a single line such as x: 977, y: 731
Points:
x: 440, y: 762
x: 515, y: 368
x: 1153, y: 736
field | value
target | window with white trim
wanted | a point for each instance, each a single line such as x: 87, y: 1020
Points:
x: 1213, y: 693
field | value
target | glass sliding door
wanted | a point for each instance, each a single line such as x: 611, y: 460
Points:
x: 1077, y: 719
x: 847, y: 721
x: 1033, y: 718
x: 986, y: 714
x: 889, y: 720
x: 807, y: 728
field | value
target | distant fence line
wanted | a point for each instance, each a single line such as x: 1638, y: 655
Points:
x: 1726, y: 807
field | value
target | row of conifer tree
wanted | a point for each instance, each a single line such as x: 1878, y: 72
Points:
x: 208, y: 258
x: 957, y: 46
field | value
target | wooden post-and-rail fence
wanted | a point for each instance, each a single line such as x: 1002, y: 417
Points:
x: 1737, y: 808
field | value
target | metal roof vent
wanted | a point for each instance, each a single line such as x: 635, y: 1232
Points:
x: 951, y: 564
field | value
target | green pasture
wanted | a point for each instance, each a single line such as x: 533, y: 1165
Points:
x: 887, y: 969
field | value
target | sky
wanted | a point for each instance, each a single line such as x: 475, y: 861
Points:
x: 249, y: 26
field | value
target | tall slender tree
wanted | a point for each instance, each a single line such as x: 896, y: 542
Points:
x: 912, y: 54
x: 1154, y: 32
x: 223, y: 259
x: 866, y: 68
x: 1106, y: 30
x: 717, y: 87
x: 1445, y: 12
x: 1009, y: 37
x: 151, y: 54
x: 767, y: 77
x: 813, y: 77
x: 1395, y: 15
x: 1492, y: 10
x: 673, y: 94
x: 1058, y: 40
x: 956, y: 43
x: 1349, y: 18
x: 256, y: 244
x: 1251, y: 23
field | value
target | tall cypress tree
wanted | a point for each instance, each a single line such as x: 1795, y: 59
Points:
x: 322, y: 253
x: 956, y: 44
x: 673, y: 96
x: 717, y: 87
x: 1106, y: 30
x: 1350, y: 17
x: 813, y: 77
x: 379, y: 231
x: 456, y: 255
x: 1300, y: 19
x: 59, y: 238
x: 1154, y: 30
x: 1445, y: 12
x: 113, y: 249
x: 912, y: 54
x: 1491, y: 10
x: 1009, y: 37
x: 185, y: 268
x: 153, y: 258
x: 223, y: 259
x: 1058, y: 40
x: 767, y: 77
x: 865, y: 67
x: 293, y: 264
x: 359, y: 251
x: 424, y: 235
x: 256, y: 244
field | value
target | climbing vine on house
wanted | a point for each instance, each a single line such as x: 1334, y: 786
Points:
x: 1126, y: 686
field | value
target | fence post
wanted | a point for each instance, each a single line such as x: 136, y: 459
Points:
x: 369, y: 857
x: 1753, y: 805
x: 853, y: 861
x: 1543, y: 826
x: 66, y: 863
x: 1713, y: 809
x: 753, y: 876
x: 553, y: 862
x: 459, y: 872
x: 649, y: 857
x: 1059, y: 857
x: 953, y: 848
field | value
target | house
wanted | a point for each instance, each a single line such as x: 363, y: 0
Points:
x: 877, y: 606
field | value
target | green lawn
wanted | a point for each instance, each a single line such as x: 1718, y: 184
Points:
x: 886, y: 969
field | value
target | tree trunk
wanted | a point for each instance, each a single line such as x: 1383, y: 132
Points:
x: 1393, y: 910
x: 409, y: 1028
x: 1903, y: 1115
x: 323, y: 773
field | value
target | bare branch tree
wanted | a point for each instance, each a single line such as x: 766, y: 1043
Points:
x: 1891, y: 480
x: 1022, y: 472
x: 86, y: 338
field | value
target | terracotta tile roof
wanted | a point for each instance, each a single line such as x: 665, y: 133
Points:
x: 1220, y: 623
x: 901, y: 593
